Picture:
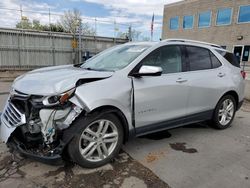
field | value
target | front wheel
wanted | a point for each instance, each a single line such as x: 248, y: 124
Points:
x: 224, y: 112
x: 99, y: 140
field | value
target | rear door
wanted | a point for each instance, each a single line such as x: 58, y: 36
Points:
x: 207, y: 80
x: 161, y: 98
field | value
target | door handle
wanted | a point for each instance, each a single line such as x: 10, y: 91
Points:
x: 221, y: 74
x: 181, y: 80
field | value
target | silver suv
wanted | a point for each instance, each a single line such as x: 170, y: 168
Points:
x: 86, y: 112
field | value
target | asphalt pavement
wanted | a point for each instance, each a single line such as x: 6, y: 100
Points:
x: 193, y: 156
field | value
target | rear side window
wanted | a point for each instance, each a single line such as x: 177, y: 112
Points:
x: 199, y: 58
x: 230, y: 57
x: 215, y: 62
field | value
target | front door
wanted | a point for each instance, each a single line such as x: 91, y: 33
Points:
x: 159, y: 99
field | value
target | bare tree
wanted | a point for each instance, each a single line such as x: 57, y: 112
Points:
x: 135, y: 35
x: 71, y: 21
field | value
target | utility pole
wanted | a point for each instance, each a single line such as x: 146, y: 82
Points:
x: 20, y: 44
x: 80, y: 42
x: 130, y: 33
x: 114, y: 31
x: 95, y: 35
x: 21, y: 11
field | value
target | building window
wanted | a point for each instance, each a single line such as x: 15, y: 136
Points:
x: 174, y: 23
x: 238, y: 52
x: 188, y: 22
x: 245, y: 55
x: 244, y: 14
x: 204, y: 19
x: 224, y: 16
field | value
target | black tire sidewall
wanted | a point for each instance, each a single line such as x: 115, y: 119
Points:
x: 216, y: 123
x: 82, y: 123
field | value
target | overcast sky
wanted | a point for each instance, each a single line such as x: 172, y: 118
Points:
x: 136, y: 12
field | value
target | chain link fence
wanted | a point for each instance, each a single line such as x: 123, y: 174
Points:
x: 31, y: 48
x: 25, y: 49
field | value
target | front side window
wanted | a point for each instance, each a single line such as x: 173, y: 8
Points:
x: 204, y: 19
x: 188, y: 22
x: 199, y: 58
x: 244, y: 14
x: 167, y: 57
x: 224, y: 16
x: 115, y: 58
x: 174, y: 23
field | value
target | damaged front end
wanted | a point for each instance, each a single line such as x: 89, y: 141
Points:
x: 37, y: 126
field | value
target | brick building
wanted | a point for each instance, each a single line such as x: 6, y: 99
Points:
x: 224, y: 22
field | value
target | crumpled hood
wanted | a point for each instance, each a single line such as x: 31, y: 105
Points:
x: 54, y: 80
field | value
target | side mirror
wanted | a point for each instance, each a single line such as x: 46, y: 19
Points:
x: 148, y: 71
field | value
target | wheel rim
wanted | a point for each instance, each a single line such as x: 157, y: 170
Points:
x: 226, y: 112
x: 98, y: 140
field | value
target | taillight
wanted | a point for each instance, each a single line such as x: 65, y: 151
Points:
x: 243, y: 74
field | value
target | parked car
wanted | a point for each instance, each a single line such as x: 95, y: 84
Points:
x: 86, y: 112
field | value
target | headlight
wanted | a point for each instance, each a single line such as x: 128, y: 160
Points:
x: 58, y: 99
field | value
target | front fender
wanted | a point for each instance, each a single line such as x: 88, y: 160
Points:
x: 114, y: 91
x: 88, y: 107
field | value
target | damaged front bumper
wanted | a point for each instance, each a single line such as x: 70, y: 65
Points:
x: 51, y: 153
x: 53, y: 158
x: 5, y: 131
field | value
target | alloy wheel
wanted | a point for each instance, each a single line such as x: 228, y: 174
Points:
x: 98, y: 140
x: 226, y: 112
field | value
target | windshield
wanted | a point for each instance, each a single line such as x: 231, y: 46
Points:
x: 115, y: 58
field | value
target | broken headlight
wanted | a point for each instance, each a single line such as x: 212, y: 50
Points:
x: 58, y: 99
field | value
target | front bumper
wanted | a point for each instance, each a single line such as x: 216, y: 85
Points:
x: 53, y: 159
x: 15, y: 145
x: 5, y: 131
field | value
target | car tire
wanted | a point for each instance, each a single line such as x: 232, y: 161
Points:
x: 97, y: 141
x: 224, y: 113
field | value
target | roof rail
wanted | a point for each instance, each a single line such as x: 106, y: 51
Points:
x: 191, y: 41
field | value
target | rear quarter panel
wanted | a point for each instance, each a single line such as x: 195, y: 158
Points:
x: 235, y: 80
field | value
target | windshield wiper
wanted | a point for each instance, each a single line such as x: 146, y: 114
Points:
x: 88, y: 68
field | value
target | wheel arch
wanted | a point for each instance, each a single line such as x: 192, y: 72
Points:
x: 234, y: 94
x: 118, y: 113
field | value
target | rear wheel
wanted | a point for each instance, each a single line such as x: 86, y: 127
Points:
x: 224, y: 112
x: 98, y: 141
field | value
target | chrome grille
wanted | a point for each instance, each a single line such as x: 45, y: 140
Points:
x: 12, y: 117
